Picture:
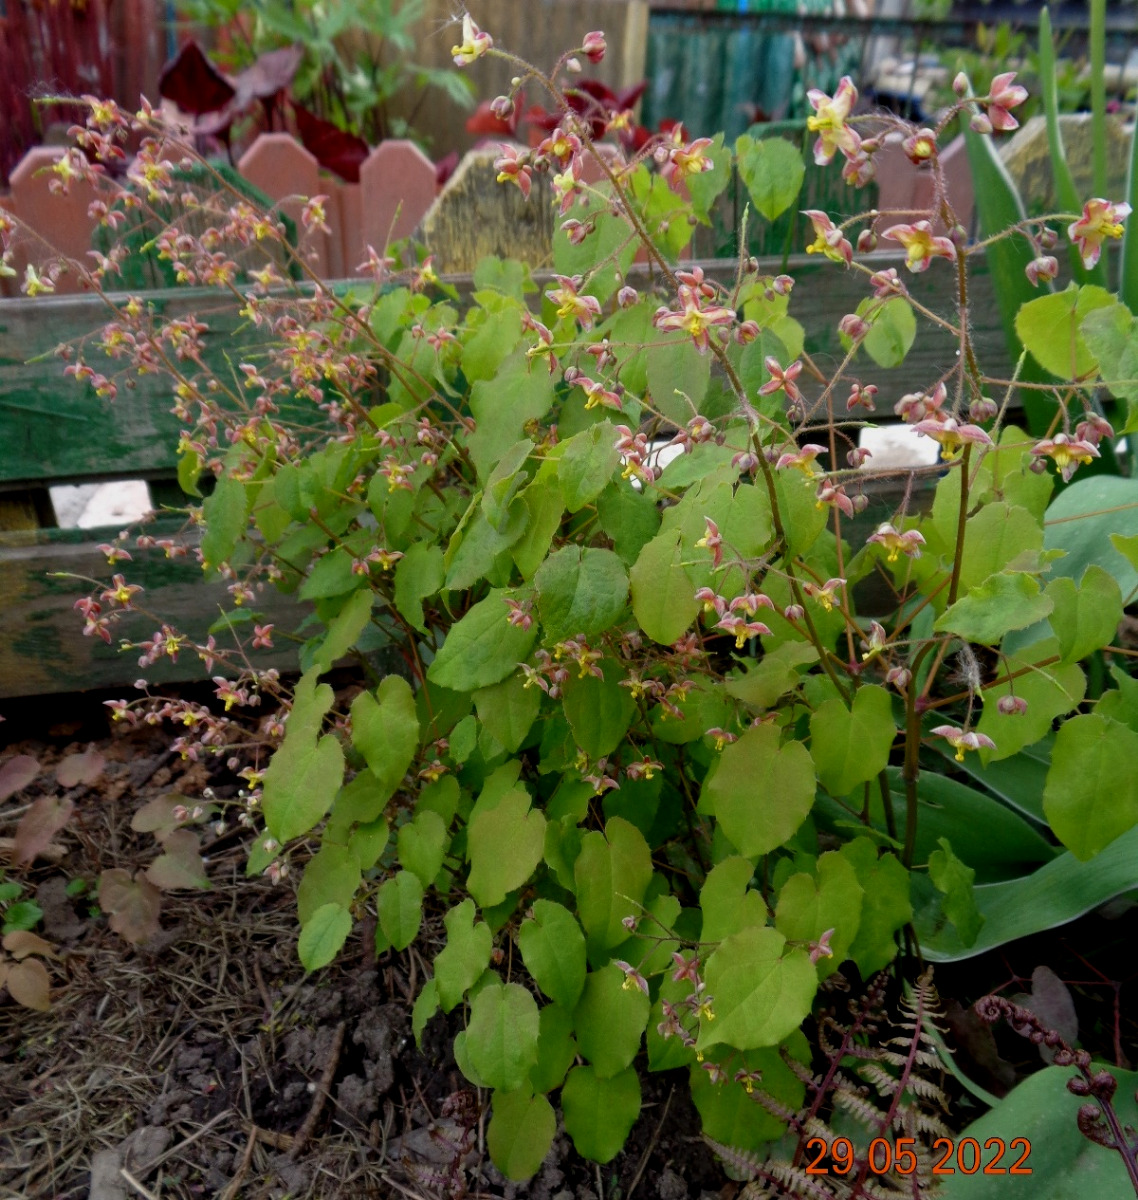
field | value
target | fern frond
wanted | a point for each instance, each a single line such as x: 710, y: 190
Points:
x: 858, y: 1106
x: 798, y: 1183
x: 745, y: 1162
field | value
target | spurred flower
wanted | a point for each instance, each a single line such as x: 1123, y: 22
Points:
x: 1101, y: 219
x: 802, y: 459
x: 952, y: 434
x: 962, y: 740
x: 1045, y: 267
x: 1066, y: 452
x: 781, y: 379
x: 594, y: 47
x: 694, y: 317
x: 908, y: 543
x: 824, y: 593
x: 1003, y: 96
x: 475, y: 43
x: 921, y: 246
x: 828, y: 239
x: 920, y: 146
x: 687, y: 160
x: 513, y: 167
x: 741, y: 628
x: 712, y: 542
x: 829, y: 122
x: 584, y: 309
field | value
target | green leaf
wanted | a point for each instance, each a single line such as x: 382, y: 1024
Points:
x: 587, y: 464
x: 954, y: 880
x: 773, y: 171
x: 762, y: 991
x: 629, y: 517
x: 505, y: 846
x: 418, y: 574
x: 663, y: 596
x: 1082, y: 519
x: 482, y: 648
x: 611, y: 873
x: 885, y: 906
x: 385, y: 729
x: 425, y: 1007
x: 1062, y: 1161
x: 304, y: 774
x: 343, y: 630
x: 553, y: 950
x: 331, y: 576
x: 501, y: 1037
x: 728, y: 903
x: 520, y: 1132
x: 731, y: 1116
x: 599, y: 711
x: 508, y: 710
x: 851, y: 746
x: 892, y: 330
x: 544, y: 509
x: 460, y: 963
x: 330, y: 876
x: 580, y: 591
x: 556, y: 1049
x: 422, y: 844
x: 326, y: 932
x: 225, y: 511
x: 600, y: 1113
x: 676, y: 366
x: 610, y: 1020
x: 995, y: 537
x: 761, y: 792
x: 1005, y: 601
x: 807, y: 908
x: 502, y: 406
x: 774, y: 675
x: 1085, y: 618
x: 1051, y: 328
x: 1091, y: 796
x: 399, y: 903
x: 504, y: 482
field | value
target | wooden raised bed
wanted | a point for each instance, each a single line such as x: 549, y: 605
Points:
x: 54, y: 432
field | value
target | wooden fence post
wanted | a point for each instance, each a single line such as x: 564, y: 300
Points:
x: 397, y: 186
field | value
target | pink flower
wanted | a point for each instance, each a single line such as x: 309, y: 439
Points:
x: 475, y: 43
x: 825, y: 592
x: 632, y: 977
x: 908, y: 543
x: 720, y: 737
x: 1066, y: 453
x: 920, y: 406
x: 513, y: 167
x: 921, y: 247
x: 598, y: 394
x: 712, y: 542
x: 1003, y: 96
x: 802, y: 459
x: 1011, y: 706
x: 920, y: 146
x: 1093, y: 428
x: 821, y: 948
x: 711, y: 601
x: 962, y: 740
x: 687, y: 160
x: 583, y: 309
x: 862, y: 396
x: 828, y: 239
x: 694, y: 317
x: 741, y: 628
x: 1101, y: 219
x: 829, y: 122
x: 952, y: 435
x: 781, y: 379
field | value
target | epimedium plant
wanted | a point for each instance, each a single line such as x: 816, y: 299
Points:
x: 627, y: 717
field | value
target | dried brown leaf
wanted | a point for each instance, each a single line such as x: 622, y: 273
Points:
x: 132, y: 904
x: 28, y: 984
x: 181, y: 865
x: 46, y: 817
x: 157, y: 816
x: 22, y: 942
x: 82, y: 768
x: 16, y: 774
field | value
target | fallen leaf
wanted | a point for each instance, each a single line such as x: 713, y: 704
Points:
x: 157, y: 816
x: 22, y: 942
x: 82, y: 768
x: 16, y: 774
x: 28, y: 984
x: 181, y: 865
x: 46, y: 817
x: 132, y: 904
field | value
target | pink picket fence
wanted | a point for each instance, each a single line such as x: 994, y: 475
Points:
x: 397, y: 185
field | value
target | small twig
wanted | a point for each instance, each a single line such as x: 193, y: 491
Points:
x: 651, y: 1144
x: 232, y: 1187
x: 142, y: 1191
x: 318, y: 1101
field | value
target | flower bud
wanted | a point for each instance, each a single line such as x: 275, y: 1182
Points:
x: 573, y: 66
x: 1011, y: 706
x: 853, y: 326
x: 627, y: 296
x: 1048, y: 238
x: 793, y: 612
x: 1046, y: 266
x: 860, y: 502
x: 782, y: 285
x: 866, y: 241
x: 594, y: 46
x: 980, y: 123
x: 960, y: 84
x: 502, y: 107
x: 982, y: 410
x: 746, y: 332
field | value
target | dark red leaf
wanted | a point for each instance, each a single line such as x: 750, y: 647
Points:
x: 336, y: 151
x: 194, y: 83
x: 445, y: 168
x: 482, y: 120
